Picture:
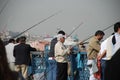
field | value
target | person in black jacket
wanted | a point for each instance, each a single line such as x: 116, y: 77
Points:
x: 51, y: 61
x: 22, y: 56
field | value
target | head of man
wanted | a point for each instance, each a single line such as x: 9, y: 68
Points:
x: 22, y: 39
x: 99, y: 35
x: 17, y: 40
x: 61, y: 32
x: 117, y: 27
x: 61, y: 38
x: 11, y: 41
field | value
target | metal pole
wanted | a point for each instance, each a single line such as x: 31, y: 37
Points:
x: 102, y: 30
x: 75, y: 29
x: 38, y: 23
x: 4, y: 6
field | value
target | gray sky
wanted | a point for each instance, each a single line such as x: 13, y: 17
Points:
x: 19, y: 15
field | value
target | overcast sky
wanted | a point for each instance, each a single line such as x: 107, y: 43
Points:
x: 19, y: 15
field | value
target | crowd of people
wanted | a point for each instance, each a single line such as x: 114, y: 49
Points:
x: 107, y: 54
x: 102, y: 58
x: 16, y: 57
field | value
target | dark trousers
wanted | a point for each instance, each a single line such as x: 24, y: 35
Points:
x: 112, y: 70
x: 62, y: 71
x: 103, y: 66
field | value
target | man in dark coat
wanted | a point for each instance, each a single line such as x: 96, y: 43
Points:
x: 22, y: 56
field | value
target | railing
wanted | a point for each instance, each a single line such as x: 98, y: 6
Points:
x: 78, y: 64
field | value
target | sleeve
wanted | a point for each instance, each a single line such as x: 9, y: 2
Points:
x: 103, y: 51
x: 103, y: 54
x: 32, y: 49
x: 103, y: 47
x: 95, y: 45
x: 52, y: 46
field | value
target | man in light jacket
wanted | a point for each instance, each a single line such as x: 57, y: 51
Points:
x: 61, y: 53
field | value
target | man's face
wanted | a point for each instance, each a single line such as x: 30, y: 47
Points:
x: 100, y: 37
x: 119, y: 30
x: 62, y: 39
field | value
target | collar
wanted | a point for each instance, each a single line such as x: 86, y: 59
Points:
x: 117, y: 34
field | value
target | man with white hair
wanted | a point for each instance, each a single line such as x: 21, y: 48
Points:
x: 52, y: 65
x: 61, y: 53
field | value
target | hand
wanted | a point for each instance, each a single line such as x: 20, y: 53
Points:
x: 69, y: 47
x: 80, y: 42
x: 98, y: 57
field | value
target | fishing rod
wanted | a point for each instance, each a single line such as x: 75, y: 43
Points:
x: 72, y: 30
x: 82, y: 43
x: 4, y: 6
x: 102, y: 30
x: 38, y: 23
x: 75, y: 29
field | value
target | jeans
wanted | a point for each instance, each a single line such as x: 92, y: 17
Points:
x: 52, y: 70
x: 103, y: 65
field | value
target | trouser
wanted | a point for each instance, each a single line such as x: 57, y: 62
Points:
x: 92, y: 77
x: 52, y: 66
x: 22, y: 69
x: 103, y: 66
x: 62, y: 71
x: 112, y: 70
x: 92, y: 66
x: 12, y: 66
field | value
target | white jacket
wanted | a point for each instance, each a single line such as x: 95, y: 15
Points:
x: 61, y: 52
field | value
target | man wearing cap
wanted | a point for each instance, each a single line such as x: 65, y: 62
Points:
x: 52, y: 65
x: 61, y: 53
x: 22, y: 57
